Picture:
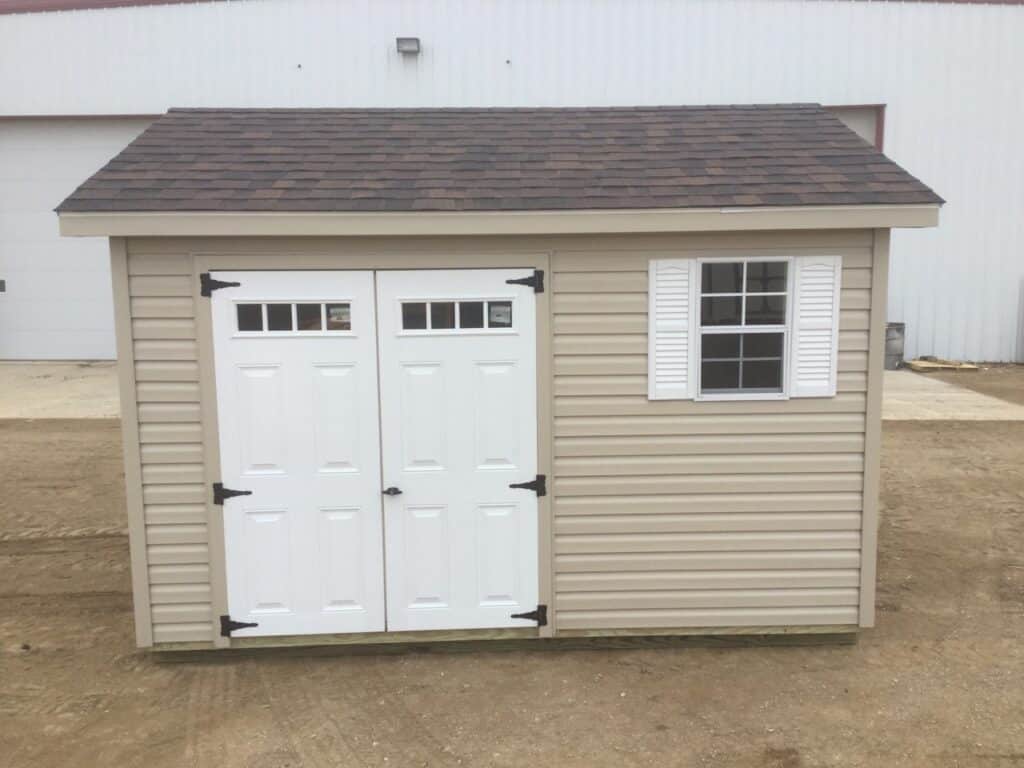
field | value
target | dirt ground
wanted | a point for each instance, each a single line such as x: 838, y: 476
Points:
x: 1004, y: 381
x: 939, y: 682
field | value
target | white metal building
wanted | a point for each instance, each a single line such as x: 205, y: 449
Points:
x: 948, y: 73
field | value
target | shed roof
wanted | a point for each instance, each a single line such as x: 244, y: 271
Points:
x: 462, y: 160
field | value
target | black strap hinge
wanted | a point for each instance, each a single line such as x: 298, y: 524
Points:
x: 540, y: 485
x: 227, y: 626
x: 208, y: 285
x: 540, y: 615
x: 220, y: 493
x: 535, y: 281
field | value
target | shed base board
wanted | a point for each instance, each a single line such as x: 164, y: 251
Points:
x: 528, y: 639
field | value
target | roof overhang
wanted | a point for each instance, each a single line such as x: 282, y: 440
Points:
x: 275, y: 224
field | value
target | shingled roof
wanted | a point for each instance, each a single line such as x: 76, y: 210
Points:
x: 366, y: 160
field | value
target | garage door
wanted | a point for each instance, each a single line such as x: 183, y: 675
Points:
x: 380, y: 429
x: 57, y: 298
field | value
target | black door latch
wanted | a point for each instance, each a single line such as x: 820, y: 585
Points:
x: 540, y: 485
x: 392, y: 491
x: 220, y: 493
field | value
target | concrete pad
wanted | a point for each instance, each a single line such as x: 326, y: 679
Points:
x: 58, y: 390
x: 909, y: 396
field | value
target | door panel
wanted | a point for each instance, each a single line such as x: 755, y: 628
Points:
x: 298, y: 422
x: 459, y: 424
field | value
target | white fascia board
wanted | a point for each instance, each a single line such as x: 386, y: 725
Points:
x: 270, y: 224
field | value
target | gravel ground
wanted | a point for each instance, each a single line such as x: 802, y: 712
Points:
x: 939, y: 681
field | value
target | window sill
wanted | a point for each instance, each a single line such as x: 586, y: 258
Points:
x: 741, y: 396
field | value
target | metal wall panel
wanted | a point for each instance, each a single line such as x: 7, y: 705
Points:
x: 950, y: 75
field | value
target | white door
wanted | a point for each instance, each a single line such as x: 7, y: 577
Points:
x: 459, y: 426
x: 297, y: 408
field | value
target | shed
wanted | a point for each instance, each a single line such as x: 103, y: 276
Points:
x: 477, y: 373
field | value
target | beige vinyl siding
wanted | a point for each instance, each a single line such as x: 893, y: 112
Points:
x: 676, y: 513
x: 174, y: 488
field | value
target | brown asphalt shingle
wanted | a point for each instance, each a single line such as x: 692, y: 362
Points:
x: 495, y: 160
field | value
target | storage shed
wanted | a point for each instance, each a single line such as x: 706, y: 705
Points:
x: 478, y: 373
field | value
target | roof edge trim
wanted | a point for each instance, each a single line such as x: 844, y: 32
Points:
x: 569, y: 222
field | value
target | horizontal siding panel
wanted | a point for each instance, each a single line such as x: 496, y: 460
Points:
x: 601, y: 282
x: 756, y: 541
x: 852, y: 382
x: 169, y: 554
x: 175, y: 494
x: 631, y: 523
x: 854, y: 298
x: 854, y: 320
x: 175, y: 514
x: 150, y: 413
x: 167, y: 392
x: 633, y: 261
x: 600, y: 386
x: 706, y: 561
x: 199, y: 632
x: 853, y: 341
x: 716, y: 598
x: 181, y: 613
x: 722, y: 617
x: 163, y: 328
x: 177, y: 534
x: 158, y: 264
x: 714, y: 424
x: 849, y: 402
x: 171, y: 474
x: 601, y: 365
x: 727, y: 464
x: 853, y: 362
x: 606, y: 324
x: 683, y: 445
x: 170, y: 433
x: 166, y: 371
x: 705, y: 483
x: 171, y: 453
x: 194, y: 573
x: 704, y: 503
x: 856, y: 278
x: 170, y: 594
x: 617, y: 344
x: 162, y: 307
x: 170, y: 349
x: 656, y: 580
x: 161, y: 285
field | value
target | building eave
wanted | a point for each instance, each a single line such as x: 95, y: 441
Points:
x: 569, y: 222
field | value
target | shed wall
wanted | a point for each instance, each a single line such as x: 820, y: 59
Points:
x: 664, y: 514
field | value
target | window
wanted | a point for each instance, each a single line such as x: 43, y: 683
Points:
x: 275, y: 318
x: 470, y: 315
x: 742, y: 326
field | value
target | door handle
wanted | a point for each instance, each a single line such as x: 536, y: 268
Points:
x: 392, y: 491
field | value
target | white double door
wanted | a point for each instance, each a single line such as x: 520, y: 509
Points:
x: 378, y: 421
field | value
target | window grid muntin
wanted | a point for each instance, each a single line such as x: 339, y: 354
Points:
x: 743, y: 328
x: 263, y: 304
x: 486, y: 328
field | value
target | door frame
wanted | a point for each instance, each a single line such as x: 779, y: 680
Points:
x: 296, y: 254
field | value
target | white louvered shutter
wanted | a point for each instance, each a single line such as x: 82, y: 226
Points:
x: 670, y: 333
x: 815, y: 345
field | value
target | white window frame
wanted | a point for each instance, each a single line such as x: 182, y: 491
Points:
x: 512, y: 330
x: 786, y: 328
x: 295, y: 333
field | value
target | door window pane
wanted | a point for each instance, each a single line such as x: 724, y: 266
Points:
x: 499, y: 314
x: 722, y: 277
x: 414, y: 316
x: 250, y: 317
x: 720, y: 310
x: 308, y: 317
x: 339, y: 317
x: 471, y: 314
x: 279, y: 317
x: 442, y: 314
x: 766, y: 310
x: 766, y: 276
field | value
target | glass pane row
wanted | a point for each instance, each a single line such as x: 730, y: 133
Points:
x: 306, y: 316
x: 742, y: 310
x: 741, y: 362
x: 740, y: 277
x: 451, y: 315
